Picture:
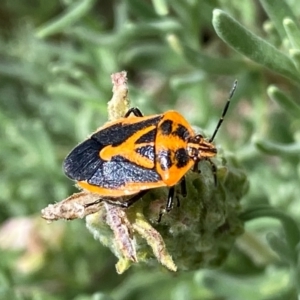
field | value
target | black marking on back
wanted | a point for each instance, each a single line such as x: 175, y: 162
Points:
x: 116, y: 134
x: 119, y: 171
x: 164, y: 159
x: 84, y: 164
x: 166, y: 127
x: 146, y: 151
x: 181, y: 132
x: 83, y: 161
x: 147, y: 137
x: 182, y: 158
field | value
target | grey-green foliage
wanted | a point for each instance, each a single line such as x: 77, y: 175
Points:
x: 55, y: 64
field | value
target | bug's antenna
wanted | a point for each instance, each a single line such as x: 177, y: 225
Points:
x: 224, y: 111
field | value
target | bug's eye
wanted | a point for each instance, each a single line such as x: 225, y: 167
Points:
x: 198, y: 138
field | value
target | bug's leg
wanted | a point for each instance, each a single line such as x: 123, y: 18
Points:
x: 169, y: 203
x: 161, y: 213
x: 135, y: 111
x: 134, y: 199
x: 170, y: 200
x: 214, y: 171
x: 196, y: 167
x: 124, y: 204
x: 93, y: 203
x: 183, y: 190
x: 183, y: 187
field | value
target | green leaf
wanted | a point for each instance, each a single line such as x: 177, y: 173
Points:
x: 161, y: 7
x: 142, y: 9
x: 278, y: 10
x: 286, y: 103
x: 212, y: 65
x: 72, y: 15
x: 277, y: 149
x: 252, y: 46
x: 290, y: 227
x: 220, y: 284
x: 278, y: 246
x: 295, y: 56
x: 166, y: 25
x: 292, y: 32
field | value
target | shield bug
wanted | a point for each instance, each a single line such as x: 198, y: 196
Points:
x: 136, y: 153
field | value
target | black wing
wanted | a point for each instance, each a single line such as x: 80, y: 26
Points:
x: 84, y: 163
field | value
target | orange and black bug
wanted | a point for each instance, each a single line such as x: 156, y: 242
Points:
x: 136, y: 153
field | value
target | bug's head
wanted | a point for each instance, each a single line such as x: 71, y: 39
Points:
x: 200, y: 148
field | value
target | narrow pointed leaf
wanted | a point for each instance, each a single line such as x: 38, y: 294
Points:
x: 252, y: 46
x: 293, y: 32
x: 278, y: 10
x: 212, y: 65
x: 277, y: 149
x: 287, y: 104
x: 73, y: 14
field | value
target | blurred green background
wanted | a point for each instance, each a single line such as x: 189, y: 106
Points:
x: 56, y: 58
